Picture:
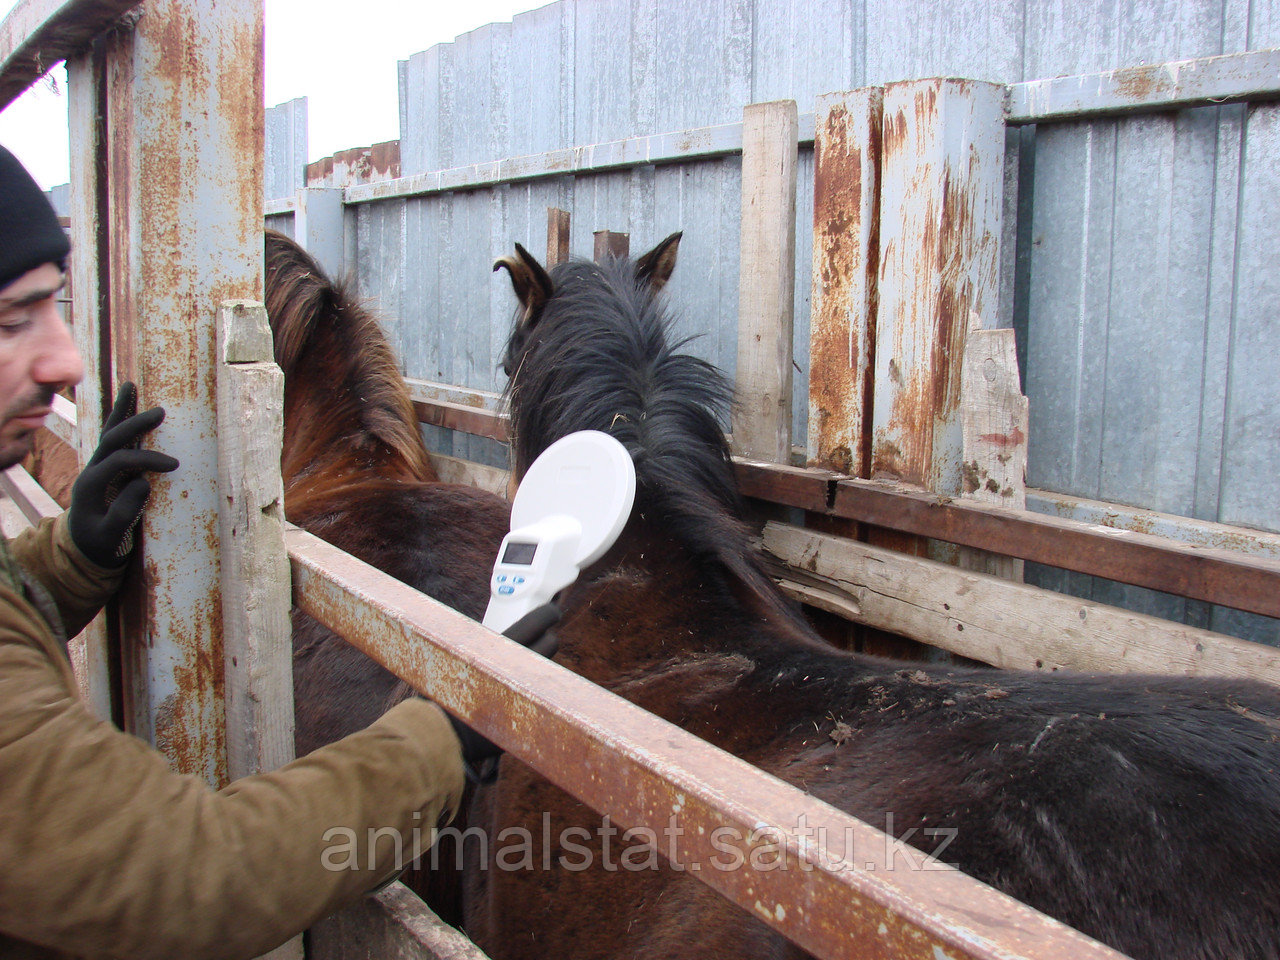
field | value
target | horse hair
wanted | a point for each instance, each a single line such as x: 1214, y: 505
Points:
x: 362, y: 385
x: 598, y: 356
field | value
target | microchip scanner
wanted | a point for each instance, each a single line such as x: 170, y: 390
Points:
x: 570, y: 507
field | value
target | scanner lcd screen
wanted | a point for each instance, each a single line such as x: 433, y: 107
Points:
x: 521, y: 553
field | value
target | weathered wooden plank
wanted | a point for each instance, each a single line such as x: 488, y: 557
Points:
x: 846, y: 263
x: 393, y: 924
x: 1157, y: 86
x: 455, y: 416
x: 37, y: 34
x: 637, y: 768
x: 255, y: 576
x: 557, y: 236
x: 254, y: 564
x: 1006, y: 624
x: 941, y: 206
x: 994, y: 422
x: 470, y: 474
x: 762, y: 418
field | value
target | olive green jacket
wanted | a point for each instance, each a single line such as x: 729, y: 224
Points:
x: 105, y: 852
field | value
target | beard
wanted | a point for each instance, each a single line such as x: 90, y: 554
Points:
x: 15, y: 446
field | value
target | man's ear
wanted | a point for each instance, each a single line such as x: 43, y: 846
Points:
x: 656, y: 266
x: 531, y: 283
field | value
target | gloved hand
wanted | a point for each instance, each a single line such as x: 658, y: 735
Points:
x: 108, y: 496
x: 533, y: 630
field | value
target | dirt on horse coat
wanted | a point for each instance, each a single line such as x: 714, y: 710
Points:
x: 1142, y: 810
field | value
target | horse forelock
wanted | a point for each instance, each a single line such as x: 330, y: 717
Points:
x: 600, y: 356
x: 322, y: 333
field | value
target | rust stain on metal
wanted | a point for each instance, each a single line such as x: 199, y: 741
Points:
x: 1142, y: 83
x: 371, y: 164
x: 846, y: 242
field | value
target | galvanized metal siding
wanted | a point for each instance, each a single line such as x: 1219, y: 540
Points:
x: 1137, y: 251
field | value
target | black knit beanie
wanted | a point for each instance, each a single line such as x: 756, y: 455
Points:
x: 29, y: 231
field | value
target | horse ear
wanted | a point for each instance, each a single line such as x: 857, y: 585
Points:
x: 656, y: 266
x: 531, y: 282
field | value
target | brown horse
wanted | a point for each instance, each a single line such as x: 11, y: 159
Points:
x: 356, y: 474
x: 1142, y: 810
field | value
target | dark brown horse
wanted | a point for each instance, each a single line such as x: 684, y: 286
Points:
x: 356, y: 474
x: 1142, y: 810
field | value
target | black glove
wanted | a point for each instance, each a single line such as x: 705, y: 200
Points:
x: 108, y: 496
x: 533, y: 630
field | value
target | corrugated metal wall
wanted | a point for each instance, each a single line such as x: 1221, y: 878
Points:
x: 1138, y: 257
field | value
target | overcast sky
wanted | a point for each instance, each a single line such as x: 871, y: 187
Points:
x: 340, y: 56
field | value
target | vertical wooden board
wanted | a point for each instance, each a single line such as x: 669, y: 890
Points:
x: 933, y: 38
x: 845, y: 266
x: 941, y: 202
x: 802, y: 49
x: 703, y: 62
x: 255, y: 564
x: 995, y: 424
x: 609, y: 244
x: 1070, y: 266
x: 187, y: 214
x: 762, y: 421
x: 558, y: 223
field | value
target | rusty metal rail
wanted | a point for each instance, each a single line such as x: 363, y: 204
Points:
x: 848, y: 893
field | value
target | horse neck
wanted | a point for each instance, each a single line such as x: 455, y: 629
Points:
x: 649, y: 600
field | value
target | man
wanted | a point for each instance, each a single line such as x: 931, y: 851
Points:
x: 104, y: 851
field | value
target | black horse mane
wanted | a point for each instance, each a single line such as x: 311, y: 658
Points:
x: 597, y: 355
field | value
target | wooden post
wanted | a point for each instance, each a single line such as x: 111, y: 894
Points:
x: 610, y: 244
x: 184, y: 225
x: 762, y: 423
x: 846, y: 263
x: 255, y: 565
x: 995, y: 421
x: 557, y: 236
x: 255, y: 577
x: 319, y: 226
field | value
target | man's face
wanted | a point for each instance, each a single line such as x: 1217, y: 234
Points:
x: 37, y: 358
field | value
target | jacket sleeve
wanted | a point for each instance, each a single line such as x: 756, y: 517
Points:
x: 108, y: 853
x: 78, y: 585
